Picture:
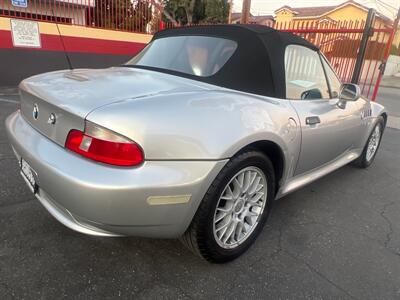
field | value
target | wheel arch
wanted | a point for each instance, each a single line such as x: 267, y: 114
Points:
x: 385, y: 117
x: 274, y: 153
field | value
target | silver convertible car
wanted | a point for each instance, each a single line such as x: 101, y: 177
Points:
x: 194, y: 137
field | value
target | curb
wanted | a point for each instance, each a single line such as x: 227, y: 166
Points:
x: 389, y: 86
x: 390, y: 82
x: 8, y: 90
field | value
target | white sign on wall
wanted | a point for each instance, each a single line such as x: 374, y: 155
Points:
x: 20, y: 3
x: 79, y: 2
x: 25, y: 33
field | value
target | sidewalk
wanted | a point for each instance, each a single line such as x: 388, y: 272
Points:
x: 391, y: 81
x: 389, y: 96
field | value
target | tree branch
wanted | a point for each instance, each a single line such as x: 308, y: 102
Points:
x: 165, y: 13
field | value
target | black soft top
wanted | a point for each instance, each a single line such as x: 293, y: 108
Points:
x: 257, y: 66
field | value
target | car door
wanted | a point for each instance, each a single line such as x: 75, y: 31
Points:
x: 357, y: 110
x: 327, y: 130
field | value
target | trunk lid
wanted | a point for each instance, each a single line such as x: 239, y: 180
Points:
x: 69, y: 96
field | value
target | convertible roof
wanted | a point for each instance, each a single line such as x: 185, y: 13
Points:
x: 257, y: 66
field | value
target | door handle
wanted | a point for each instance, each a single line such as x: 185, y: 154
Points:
x: 313, y: 120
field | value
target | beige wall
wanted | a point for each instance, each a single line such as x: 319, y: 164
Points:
x: 347, y: 13
x: 284, y: 16
x: 393, y: 65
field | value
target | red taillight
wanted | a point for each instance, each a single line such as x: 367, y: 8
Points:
x: 105, y: 146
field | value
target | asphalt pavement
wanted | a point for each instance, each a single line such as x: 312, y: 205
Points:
x: 338, y: 238
x: 389, y: 96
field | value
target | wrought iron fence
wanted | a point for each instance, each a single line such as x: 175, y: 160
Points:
x: 340, y: 41
x: 126, y: 15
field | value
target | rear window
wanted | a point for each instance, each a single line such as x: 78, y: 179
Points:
x: 194, y: 55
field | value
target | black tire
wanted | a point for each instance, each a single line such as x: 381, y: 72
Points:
x: 199, y: 237
x: 362, y: 161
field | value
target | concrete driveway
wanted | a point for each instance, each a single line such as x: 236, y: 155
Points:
x: 337, y: 238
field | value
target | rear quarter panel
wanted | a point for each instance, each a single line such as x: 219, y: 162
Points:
x: 207, y: 125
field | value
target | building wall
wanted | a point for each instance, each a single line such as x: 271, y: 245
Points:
x: 396, y: 40
x: 269, y: 23
x: 346, y: 13
x: 353, y: 13
x: 73, y: 12
x: 393, y: 65
x: 284, y: 16
x: 86, y: 47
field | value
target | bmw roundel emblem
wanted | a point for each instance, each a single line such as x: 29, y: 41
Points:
x: 35, y: 112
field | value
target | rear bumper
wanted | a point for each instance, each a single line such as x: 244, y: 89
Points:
x: 157, y: 199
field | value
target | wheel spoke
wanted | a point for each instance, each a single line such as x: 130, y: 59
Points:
x: 254, y: 185
x: 256, y: 204
x: 249, y: 180
x: 373, y: 143
x: 246, y: 227
x: 221, y: 234
x: 251, y: 213
x: 239, y: 230
x: 236, y: 188
x: 253, y: 177
x: 224, y: 224
x: 256, y: 197
x: 237, y: 184
x: 220, y: 215
x: 240, y: 179
x: 227, y: 208
x: 229, y: 231
x: 229, y: 192
x: 228, y: 198
x: 249, y: 220
x: 259, y: 187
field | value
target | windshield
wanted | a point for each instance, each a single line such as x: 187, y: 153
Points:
x: 195, y: 55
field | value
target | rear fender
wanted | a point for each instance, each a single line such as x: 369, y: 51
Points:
x: 211, y: 125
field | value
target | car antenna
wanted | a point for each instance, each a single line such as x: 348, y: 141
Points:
x: 62, y: 41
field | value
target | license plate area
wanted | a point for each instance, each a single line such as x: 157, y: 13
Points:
x: 29, y: 175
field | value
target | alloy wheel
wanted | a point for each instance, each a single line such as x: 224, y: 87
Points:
x: 373, y: 143
x: 240, y: 207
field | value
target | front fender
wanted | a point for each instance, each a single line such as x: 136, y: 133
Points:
x: 376, y: 110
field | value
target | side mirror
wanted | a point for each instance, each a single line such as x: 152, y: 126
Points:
x: 348, y: 92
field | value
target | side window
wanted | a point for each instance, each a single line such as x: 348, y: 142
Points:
x: 305, y: 77
x: 334, y: 81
